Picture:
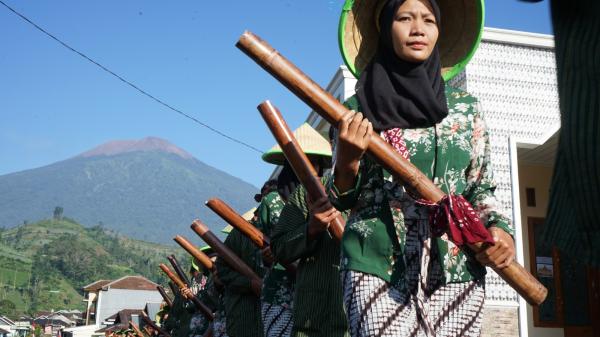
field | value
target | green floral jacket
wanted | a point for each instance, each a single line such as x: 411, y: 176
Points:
x: 458, y: 150
x: 278, y: 285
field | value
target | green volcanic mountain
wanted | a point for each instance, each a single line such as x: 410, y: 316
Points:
x: 147, y: 189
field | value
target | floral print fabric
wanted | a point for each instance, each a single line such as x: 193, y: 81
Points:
x: 455, y: 153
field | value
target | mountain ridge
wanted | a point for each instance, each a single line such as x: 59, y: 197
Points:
x: 148, y: 193
x: 149, y: 143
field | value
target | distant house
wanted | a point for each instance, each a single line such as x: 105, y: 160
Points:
x: 10, y: 328
x: 7, y: 327
x: 22, y: 326
x: 152, y: 309
x: 73, y: 315
x: 53, y: 322
x: 120, y: 320
x: 106, y: 298
x: 4, y: 333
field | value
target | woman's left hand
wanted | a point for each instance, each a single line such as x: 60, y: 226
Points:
x: 500, y: 254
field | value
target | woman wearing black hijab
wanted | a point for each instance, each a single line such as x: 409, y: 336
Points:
x: 401, y: 276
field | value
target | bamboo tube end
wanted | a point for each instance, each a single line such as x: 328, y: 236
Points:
x: 199, y: 227
x: 538, y: 297
x: 246, y: 35
x: 264, y: 104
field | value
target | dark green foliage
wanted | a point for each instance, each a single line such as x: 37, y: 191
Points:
x: 7, y: 306
x: 44, y: 265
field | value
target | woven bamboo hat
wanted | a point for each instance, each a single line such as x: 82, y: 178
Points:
x: 460, y: 34
x: 312, y: 143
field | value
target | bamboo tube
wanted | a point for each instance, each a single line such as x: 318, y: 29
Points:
x: 298, y: 160
x: 255, y: 235
x: 148, y: 331
x: 333, y: 111
x: 234, y: 219
x: 201, y: 306
x: 178, y: 270
x: 225, y: 253
x: 136, y: 329
x: 164, y: 295
x: 151, y: 323
x: 195, y: 252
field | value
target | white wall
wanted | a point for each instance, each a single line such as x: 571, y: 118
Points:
x: 114, y: 300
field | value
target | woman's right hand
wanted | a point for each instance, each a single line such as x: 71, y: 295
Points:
x: 353, y: 140
x: 187, y: 292
x: 321, y: 214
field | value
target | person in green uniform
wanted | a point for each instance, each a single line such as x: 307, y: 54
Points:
x: 242, y: 306
x: 199, y: 279
x: 301, y: 234
x: 401, y: 277
x: 278, y: 283
x: 212, y: 296
x: 215, y: 295
x: 162, y: 314
x: 177, y: 321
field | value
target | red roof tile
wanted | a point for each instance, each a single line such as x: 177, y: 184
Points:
x: 131, y: 282
x: 96, y: 285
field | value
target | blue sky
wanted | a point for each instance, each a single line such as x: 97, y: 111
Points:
x: 55, y: 105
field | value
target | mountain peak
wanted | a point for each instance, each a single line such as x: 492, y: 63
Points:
x: 145, y: 144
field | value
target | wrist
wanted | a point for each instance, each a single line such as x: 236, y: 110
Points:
x: 314, y: 229
x: 347, y: 167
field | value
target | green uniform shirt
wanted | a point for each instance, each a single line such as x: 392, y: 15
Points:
x: 318, y: 300
x: 278, y: 284
x: 242, y: 307
x: 458, y: 150
x: 177, y: 323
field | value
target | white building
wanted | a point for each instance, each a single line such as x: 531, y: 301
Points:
x: 7, y: 327
x: 106, y: 298
x: 513, y: 74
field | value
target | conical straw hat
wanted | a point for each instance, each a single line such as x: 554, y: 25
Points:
x: 312, y: 143
x: 460, y: 33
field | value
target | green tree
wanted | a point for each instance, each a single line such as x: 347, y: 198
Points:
x: 58, y: 212
x: 18, y: 236
x: 7, y: 307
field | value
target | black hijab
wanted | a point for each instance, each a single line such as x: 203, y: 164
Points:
x: 394, y: 93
